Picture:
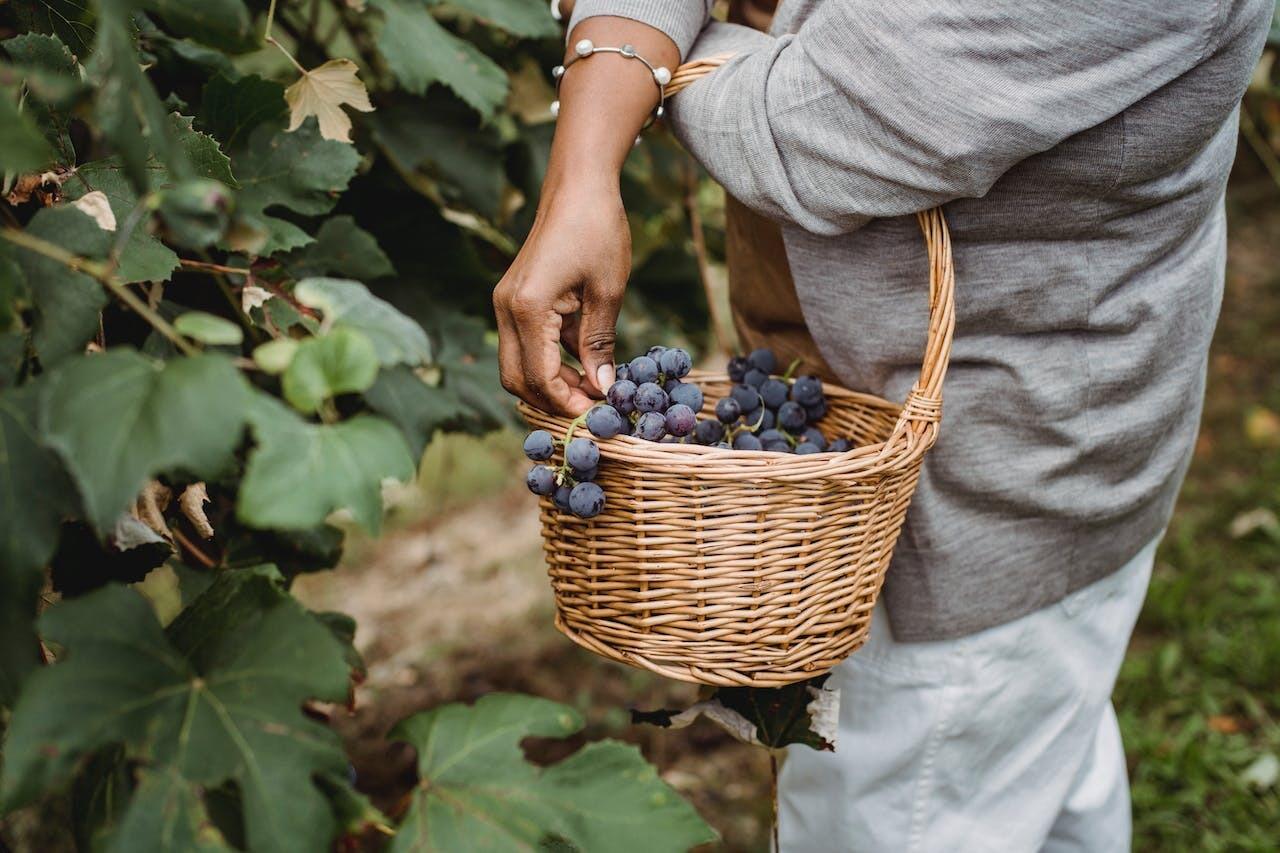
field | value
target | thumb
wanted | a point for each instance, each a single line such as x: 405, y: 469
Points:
x: 597, y: 332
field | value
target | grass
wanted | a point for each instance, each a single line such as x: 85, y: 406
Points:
x: 1199, y: 693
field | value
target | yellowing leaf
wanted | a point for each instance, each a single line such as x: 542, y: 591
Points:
x: 321, y: 92
x: 95, y: 204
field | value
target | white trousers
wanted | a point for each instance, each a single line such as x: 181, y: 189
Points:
x: 1004, y: 740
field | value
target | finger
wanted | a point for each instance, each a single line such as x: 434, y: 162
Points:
x: 510, y: 371
x: 597, y: 331
x: 569, y: 330
x: 539, y: 336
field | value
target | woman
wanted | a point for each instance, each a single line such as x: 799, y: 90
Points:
x: 1081, y: 149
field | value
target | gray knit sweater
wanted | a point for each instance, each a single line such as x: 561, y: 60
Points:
x: 1081, y: 149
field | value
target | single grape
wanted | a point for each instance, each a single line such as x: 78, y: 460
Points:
x: 807, y: 447
x: 840, y: 445
x: 774, y: 392
x: 814, y: 436
x: 755, y: 378
x: 586, y: 476
x: 737, y: 368
x: 541, y: 480
x: 605, y: 422
x: 767, y: 419
x: 681, y: 420
x: 651, y: 426
x: 621, y: 371
x: 582, y: 454
x: 772, y: 439
x: 791, y: 417
x: 644, y: 369
x: 806, y: 390
x: 651, y: 398
x: 746, y: 441
x: 561, y: 497
x: 709, y: 431
x: 723, y: 444
x: 728, y: 410
x: 764, y: 360
x: 687, y: 394
x: 670, y: 385
x: 817, y: 411
x: 675, y: 362
x: 586, y: 500
x: 621, y: 395
x: 769, y: 435
x: 655, y: 353
x: 539, y: 445
x: 747, y: 398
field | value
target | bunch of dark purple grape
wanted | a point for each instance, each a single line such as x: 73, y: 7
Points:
x: 570, y: 485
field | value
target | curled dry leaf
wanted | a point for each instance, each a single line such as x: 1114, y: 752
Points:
x: 46, y: 186
x: 252, y: 296
x: 321, y: 92
x: 96, y: 205
x: 192, y: 502
x: 150, y: 506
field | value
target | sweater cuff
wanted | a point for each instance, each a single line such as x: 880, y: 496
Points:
x: 681, y: 20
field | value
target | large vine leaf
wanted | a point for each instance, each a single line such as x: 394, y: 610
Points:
x: 341, y: 248
x: 145, y: 258
x: 215, y: 698
x: 35, y: 494
x: 518, y: 17
x: 164, y: 815
x: 299, y: 171
x: 477, y: 792
x: 119, y: 418
x: 349, y: 305
x: 300, y: 472
x: 341, y: 362
x: 231, y: 109
x: 419, y: 52
x: 417, y: 408
x: 224, y: 24
x: 47, y: 55
x: 67, y: 303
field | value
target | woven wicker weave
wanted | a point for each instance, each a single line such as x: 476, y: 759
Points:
x: 748, y: 568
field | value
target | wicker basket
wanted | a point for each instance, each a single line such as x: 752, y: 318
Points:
x: 748, y: 568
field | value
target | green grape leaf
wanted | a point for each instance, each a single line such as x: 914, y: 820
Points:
x: 119, y: 418
x: 295, y: 170
x: 477, y: 791
x: 144, y: 257
x: 518, y: 17
x: 37, y: 494
x: 440, y: 134
x: 300, y: 472
x: 231, y: 109
x: 47, y: 55
x: 341, y: 362
x: 349, y: 304
x: 341, y: 248
x: 22, y: 146
x: 209, y: 328
x: 419, y: 52
x: 164, y: 815
x: 67, y: 303
x: 223, y: 24
x: 70, y: 20
x: 14, y: 296
x: 214, y: 698
x: 130, y: 114
x: 417, y: 408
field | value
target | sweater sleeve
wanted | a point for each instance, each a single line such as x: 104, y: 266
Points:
x: 876, y: 109
x: 681, y: 20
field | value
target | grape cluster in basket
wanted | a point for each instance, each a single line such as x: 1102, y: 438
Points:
x: 650, y: 401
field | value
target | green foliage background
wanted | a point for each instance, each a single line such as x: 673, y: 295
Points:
x: 282, y: 320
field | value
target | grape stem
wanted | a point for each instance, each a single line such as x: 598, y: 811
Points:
x: 791, y: 369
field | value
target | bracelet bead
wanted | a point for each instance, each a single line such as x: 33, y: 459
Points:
x: 584, y: 48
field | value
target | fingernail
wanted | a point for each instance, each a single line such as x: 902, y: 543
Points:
x: 604, y: 376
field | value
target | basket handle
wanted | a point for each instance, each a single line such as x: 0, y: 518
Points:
x: 922, y: 409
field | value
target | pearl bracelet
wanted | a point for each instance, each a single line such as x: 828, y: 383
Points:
x: 586, y: 48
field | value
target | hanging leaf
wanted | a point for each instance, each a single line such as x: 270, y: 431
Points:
x: 67, y: 303
x: 224, y: 24
x: 322, y: 92
x: 518, y: 17
x: 477, y: 791
x: 341, y: 362
x: 209, y: 328
x: 341, y: 248
x: 350, y: 305
x: 417, y: 408
x: 231, y: 109
x: 215, y: 698
x: 298, y: 171
x: 147, y: 418
x: 301, y: 472
x: 420, y: 52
